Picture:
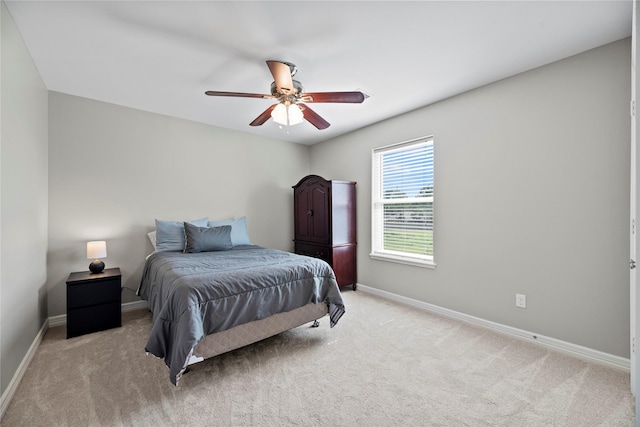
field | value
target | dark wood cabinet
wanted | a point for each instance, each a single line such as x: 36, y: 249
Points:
x: 93, y: 301
x: 325, y: 224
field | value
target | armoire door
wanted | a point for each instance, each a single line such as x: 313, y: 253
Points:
x: 320, y: 213
x: 312, y: 210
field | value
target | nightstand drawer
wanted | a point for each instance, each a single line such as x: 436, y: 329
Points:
x: 93, y: 293
x: 81, y: 321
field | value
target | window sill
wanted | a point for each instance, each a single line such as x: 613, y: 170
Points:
x: 403, y: 260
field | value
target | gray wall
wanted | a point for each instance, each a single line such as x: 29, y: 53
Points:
x: 23, y: 200
x: 113, y: 170
x: 532, y: 196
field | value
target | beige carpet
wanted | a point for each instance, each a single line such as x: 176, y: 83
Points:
x: 384, y: 364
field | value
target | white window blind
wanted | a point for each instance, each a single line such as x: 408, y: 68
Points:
x: 403, y: 189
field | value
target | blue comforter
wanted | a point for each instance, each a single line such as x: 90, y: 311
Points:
x: 196, y: 294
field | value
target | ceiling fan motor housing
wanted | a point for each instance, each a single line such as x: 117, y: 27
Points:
x: 297, y: 89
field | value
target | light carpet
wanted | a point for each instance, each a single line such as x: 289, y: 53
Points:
x: 384, y: 364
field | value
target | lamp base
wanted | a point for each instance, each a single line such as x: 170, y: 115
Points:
x: 96, y: 266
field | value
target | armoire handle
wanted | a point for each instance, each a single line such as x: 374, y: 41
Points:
x: 310, y: 212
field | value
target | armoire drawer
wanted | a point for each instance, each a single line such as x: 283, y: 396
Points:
x: 315, y: 251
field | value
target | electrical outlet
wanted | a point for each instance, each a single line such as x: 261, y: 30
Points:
x: 521, y: 301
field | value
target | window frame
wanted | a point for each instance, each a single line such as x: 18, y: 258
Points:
x: 378, y: 202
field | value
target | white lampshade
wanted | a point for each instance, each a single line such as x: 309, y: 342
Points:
x: 279, y: 114
x: 287, y: 115
x: 295, y: 115
x: 96, y: 249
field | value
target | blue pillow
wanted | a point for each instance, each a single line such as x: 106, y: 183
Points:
x: 239, y: 233
x: 170, y: 234
x: 207, y: 239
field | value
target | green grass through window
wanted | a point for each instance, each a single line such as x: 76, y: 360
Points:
x: 418, y: 242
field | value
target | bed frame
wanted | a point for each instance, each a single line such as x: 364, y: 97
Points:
x: 252, y: 332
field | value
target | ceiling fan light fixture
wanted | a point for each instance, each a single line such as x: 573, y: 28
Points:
x: 279, y: 114
x: 287, y: 115
x: 295, y: 115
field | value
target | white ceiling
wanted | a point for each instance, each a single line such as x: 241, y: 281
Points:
x: 161, y: 56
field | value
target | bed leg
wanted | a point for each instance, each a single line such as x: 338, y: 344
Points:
x: 315, y: 324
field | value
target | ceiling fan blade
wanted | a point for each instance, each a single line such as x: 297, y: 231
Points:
x: 313, y: 117
x: 351, y: 97
x: 281, y: 72
x: 238, y: 94
x: 262, y: 118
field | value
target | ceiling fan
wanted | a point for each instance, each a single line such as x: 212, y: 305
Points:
x: 291, y: 108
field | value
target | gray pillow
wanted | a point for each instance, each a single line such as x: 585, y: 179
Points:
x: 170, y: 234
x: 207, y: 239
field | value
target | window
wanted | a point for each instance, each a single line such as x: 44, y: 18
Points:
x: 403, y: 202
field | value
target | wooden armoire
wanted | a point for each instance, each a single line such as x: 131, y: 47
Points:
x: 325, y: 224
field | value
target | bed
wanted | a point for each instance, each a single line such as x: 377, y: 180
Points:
x: 205, y: 303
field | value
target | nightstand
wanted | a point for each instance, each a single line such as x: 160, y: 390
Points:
x: 93, y: 301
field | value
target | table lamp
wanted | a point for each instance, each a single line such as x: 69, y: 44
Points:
x: 95, y: 251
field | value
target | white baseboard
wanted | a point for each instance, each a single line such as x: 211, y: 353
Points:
x: 135, y: 305
x: 8, y: 394
x: 578, y: 351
